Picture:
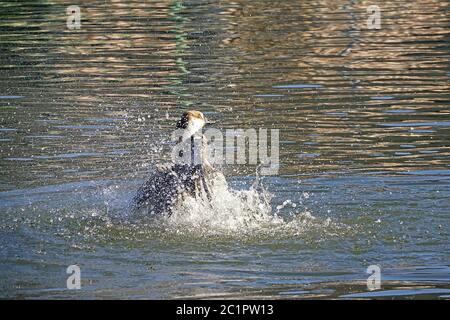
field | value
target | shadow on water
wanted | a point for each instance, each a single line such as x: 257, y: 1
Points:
x: 364, y: 147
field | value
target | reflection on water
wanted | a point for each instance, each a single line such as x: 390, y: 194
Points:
x: 345, y: 97
x: 96, y: 104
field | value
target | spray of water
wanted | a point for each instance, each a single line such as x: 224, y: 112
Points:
x: 101, y: 212
x: 237, y: 214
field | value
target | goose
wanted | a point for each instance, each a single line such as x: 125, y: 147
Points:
x: 193, y: 176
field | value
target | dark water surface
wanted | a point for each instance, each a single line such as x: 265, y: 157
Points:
x: 364, y: 126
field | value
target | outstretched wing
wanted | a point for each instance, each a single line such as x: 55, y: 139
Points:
x: 159, y: 192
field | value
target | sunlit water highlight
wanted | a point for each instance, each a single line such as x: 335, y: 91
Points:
x: 364, y: 148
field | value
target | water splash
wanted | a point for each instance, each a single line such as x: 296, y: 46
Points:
x: 94, y: 212
x: 239, y: 214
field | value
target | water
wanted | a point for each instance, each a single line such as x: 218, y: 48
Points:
x: 364, y: 146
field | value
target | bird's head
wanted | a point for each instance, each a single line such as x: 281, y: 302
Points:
x: 192, y: 121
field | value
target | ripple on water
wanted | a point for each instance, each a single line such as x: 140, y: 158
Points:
x: 11, y: 97
x: 416, y: 124
x: 297, y: 86
x: 116, y: 96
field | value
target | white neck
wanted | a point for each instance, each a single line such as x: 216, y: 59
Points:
x: 193, y: 127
